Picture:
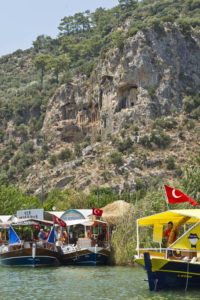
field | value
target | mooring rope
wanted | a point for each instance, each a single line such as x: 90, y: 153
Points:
x: 186, y: 286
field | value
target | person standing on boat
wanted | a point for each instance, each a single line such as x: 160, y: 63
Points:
x: 47, y: 234
x: 65, y: 237
x: 41, y: 235
x: 168, y: 232
x: 89, y: 234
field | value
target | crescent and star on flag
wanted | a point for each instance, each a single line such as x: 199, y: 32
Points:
x: 174, y: 194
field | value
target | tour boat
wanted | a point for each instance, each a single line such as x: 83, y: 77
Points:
x: 88, y: 243
x: 20, y: 252
x: 178, y: 265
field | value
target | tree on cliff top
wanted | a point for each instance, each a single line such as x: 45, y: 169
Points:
x: 42, y: 62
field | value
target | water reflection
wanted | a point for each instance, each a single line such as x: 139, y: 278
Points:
x: 85, y: 283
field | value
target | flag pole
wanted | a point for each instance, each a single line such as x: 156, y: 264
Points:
x: 98, y: 195
x: 165, y: 197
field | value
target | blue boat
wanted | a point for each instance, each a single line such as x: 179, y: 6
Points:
x: 86, y: 257
x: 178, y: 265
x: 87, y: 245
x: 29, y: 253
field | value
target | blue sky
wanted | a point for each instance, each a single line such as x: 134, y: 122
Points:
x: 21, y: 21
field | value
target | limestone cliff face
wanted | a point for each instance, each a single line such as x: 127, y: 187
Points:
x: 146, y: 79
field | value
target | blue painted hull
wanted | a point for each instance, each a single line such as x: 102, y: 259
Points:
x: 170, y: 280
x: 23, y: 257
x: 89, y: 259
x: 172, y: 274
x: 38, y: 261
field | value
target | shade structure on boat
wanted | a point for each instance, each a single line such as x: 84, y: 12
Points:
x: 87, y: 222
x: 28, y: 222
x: 114, y: 211
x: 171, y: 215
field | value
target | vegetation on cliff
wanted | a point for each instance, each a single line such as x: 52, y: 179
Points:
x: 139, y: 150
x: 29, y: 78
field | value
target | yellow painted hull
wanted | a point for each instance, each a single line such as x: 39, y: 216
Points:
x: 165, y: 273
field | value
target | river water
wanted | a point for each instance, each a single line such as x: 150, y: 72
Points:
x: 85, y: 283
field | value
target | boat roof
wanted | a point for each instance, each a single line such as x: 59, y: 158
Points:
x: 5, y: 218
x: 86, y: 222
x: 79, y: 214
x: 85, y: 212
x: 56, y: 213
x: 171, y: 215
x: 26, y: 222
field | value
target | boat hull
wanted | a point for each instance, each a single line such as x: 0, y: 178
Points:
x: 168, y: 274
x: 86, y: 257
x: 23, y: 257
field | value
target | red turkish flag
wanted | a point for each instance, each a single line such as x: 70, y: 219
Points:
x: 176, y: 196
x: 97, y: 212
x: 37, y: 227
x: 59, y: 221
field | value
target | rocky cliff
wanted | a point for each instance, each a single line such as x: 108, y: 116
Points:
x: 145, y: 79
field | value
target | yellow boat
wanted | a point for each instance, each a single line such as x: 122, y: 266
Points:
x: 178, y: 265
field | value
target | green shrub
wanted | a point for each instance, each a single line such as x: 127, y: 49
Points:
x: 170, y: 163
x: 12, y: 171
x: 190, y: 103
x: 77, y: 150
x: 140, y: 184
x: 190, y: 124
x: 178, y: 171
x: 22, y: 131
x: 118, y: 38
x: 116, y: 159
x: 98, y: 138
x: 125, y: 146
x: 123, y: 133
x: 185, y: 26
x: 157, y: 24
x: 161, y: 139
x: 105, y: 175
x: 165, y: 123
x: 53, y: 160
x: 85, y: 144
x: 24, y: 161
x: 65, y: 154
x: 126, y: 125
x: 151, y: 91
x: 136, y: 129
x: 41, y: 154
x: 2, y: 134
x: 28, y: 147
x: 146, y: 141
x: 12, y: 145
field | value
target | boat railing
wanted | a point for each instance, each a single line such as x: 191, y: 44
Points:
x: 176, y: 254
x: 154, y: 252
x: 29, y: 244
